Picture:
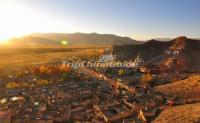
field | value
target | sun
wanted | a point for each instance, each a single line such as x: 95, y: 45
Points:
x: 12, y: 18
x: 17, y: 20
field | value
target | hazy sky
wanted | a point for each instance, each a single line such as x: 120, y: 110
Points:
x: 138, y: 19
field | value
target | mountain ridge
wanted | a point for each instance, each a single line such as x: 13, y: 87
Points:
x: 88, y: 38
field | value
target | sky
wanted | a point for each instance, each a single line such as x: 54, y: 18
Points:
x: 138, y: 19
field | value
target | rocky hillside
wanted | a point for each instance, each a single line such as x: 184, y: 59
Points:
x: 147, y: 50
x: 181, y: 53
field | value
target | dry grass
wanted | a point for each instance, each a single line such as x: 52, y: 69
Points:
x: 186, y: 90
x: 16, y: 62
x: 189, y: 113
x: 43, y: 55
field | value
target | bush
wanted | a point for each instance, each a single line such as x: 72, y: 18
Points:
x: 16, y: 84
x: 146, y: 79
x: 42, y: 82
x: 12, y: 85
x: 121, y: 72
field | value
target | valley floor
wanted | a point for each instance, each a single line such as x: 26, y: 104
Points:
x: 35, y: 87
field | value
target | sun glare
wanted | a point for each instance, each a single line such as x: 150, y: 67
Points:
x: 17, y: 20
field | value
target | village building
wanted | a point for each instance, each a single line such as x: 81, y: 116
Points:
x: 138, y: 62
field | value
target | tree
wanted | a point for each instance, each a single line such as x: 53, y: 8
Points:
x: 121, y: 72
x: 42, y: 82
x: 12, y: 85
x: 146, y: 79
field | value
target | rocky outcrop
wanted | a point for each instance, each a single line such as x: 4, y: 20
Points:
x: 182, y: 52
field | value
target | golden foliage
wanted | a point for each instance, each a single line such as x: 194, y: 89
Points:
x: 19, y: 74
x: 16, y: 84
x: 42, y: 82
x: 146, y: 78
x: 64, y: 68
x: 12, y: 85
x: 121, y: 72
x: 48, y: 70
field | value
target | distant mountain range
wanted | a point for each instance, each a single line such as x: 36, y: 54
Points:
x: 73, y: 39
x: 163, y: 39
x: 32, y: 40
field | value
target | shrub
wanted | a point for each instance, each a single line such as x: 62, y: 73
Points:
x: 121, y: 72
x: 146, y: 79
x: 12, y: 85
x: 42, y: 82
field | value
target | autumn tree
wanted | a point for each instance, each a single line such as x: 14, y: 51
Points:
x: 121, y: 72
x: 146, y: 79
